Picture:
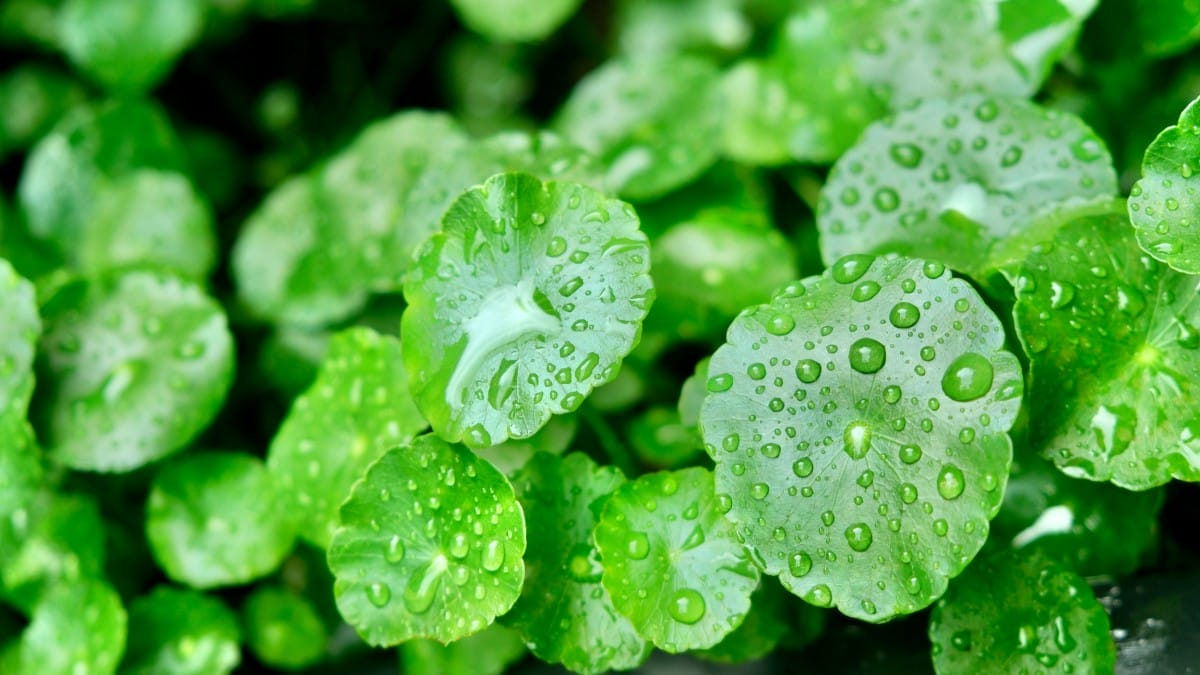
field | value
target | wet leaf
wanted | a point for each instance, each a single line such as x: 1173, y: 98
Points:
x: 181, y: 632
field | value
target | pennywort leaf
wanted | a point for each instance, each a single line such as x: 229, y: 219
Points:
x: 666, y: 27
x: 515, y: 20
x: 283, y: 629
x: 134, y: 365
x: 858, y: 425
x: 60, y: 540
x: 1163, y: 205
x: 564, y: 614
x: 1050, y: 620
x: 20, y: 327
x: 181, y: 632
x: 527, y: 300
x: 956, y: 179
x: 75, y: 627
x: 672, y: 563
x: 21, y: 478
x: 760, y: 632
x: 650, y: 121
x: 216, y: 519
x: 1112, y: 340
x: 430, y: 546
x: 358, y: 408
x: 32, y: 99
x: 488, y: 652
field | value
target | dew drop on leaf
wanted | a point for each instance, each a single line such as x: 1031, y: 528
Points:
x: 950, y: 482
x: 379, y: 594
x: 686, y: 606
x: 859, y: 537
x: 638, y: 546
x: 968, y: 377
x: 867, y: 356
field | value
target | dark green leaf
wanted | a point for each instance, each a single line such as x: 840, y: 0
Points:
x: 283, y: 629
x: 858, y: 424
x: 76, y: 628
x: 60, y: 539
x: 764, y: 626
x: 32, y: 99
x: 515, y: 20
x: 1165, y: 203
x: 19, y: 331
x: 430, y: 546
x: 488, y: 652
x: 181, y: 632
x: 128, y: 45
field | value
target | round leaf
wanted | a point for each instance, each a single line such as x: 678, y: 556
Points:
x: 488, y: 652
x: 1165, y: 203
x: 1113, y: 345
x: 1093, y: 528
x: 181, y: 632
x: 19, y: 330
x: 515, y: 20
x: 430, y: 546
x: 759, y: 634
x: 651, y: 122
x: 955, y: 180
x: 217, y: 519
x: 528, y: 299
x: 76, y: 627
x: 133, y: 366
x: 1049, y: 621
x: 858, y: 425
x: 665, y: 27
x: 358, y: 408
x: 564, y: 613
x: 283, y: 629
x: 61, y: 540
x: 672, y: 562
x: 21, y: 478
x: 32, y: 99
x: 128, y: 45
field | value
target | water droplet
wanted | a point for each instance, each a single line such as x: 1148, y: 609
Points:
x: 859, y: 537
x: 802, y: 467
x: 556, y: 247
x: 760, y: 491
x: 867, y: 355
x: 394, y: 553
x: 808, y: 371
x: 851, y: 268
x: 493, y: 555
x: 968, y: 377
x: 940, y: 527
x: 987, y: 111
x: 422, y: 586
x: 820, y: 596
x: 582, y: 564
x: 857, y: 439
x: 886, y: 199
x: 891, y: 394
x: 694, y: 539
x: 961, y: 640
x: 756, y: 371
x: 904, y: 315
x: 537, y: 218
x: 950, y: 482
x: 933, y: 270
x: 686, y: 606
x: 720, y: 383
x: 865, y: 291
x: 908, y: 493
x: 780, y: 324
x: 799, y: 564
x: 910, y: 454
x: 1011, y: 157
x: 866, y: 479
x: 906, y: 155
x: 637, y: 547
x: 379, y: 594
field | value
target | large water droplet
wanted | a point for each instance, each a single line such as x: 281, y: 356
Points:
x: 851, y: 268
x: 867, y: 355
x: 493, y: 555
x: 906, y: 155
x: 859, y: 537
x: 686, y: 606
x: 379, y: 594
x: 808, y: 371
x: 422, y: 586
x: 820, y: 596
x: 857, y: 439
x: 968, y: 377
x: 950, y: 482
x: 780, y: 324
x: 696, y: 538
x: 904, y: 315
x: 799, y: 564
x: 637, y: 547
x: 394, y: 552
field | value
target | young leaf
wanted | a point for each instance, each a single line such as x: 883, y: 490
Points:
x: 217, y: 519
x: 358, y: 408
x: 322, y: 242
x: 564, y: 614
x: 1163, y: 205
x: 858, y: 425
x: 133, y: 366
x: 430, y: 546
x: 76, y: 627
x: 527, y: 300
x: 1050, y: 621
x: 283, y: 629
x: 488, y: 652
x: 1092, y: 528
x: 650, y: 121
x: 19, y: 331
x: 515, y: 20
x: 128, y: 45
x: 60, y: 540
x: 1112, y: 340
x: 181, y: 632
x: 953, y: 180
x: 802, y: 101
x: 64, y: 171
x: 672, y: 563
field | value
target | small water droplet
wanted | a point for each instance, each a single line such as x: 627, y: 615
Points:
x: 394, y: 552
x: 379, y: 594
x: 637, y: 547
x: 808, y: 371
x: 493, y: 555
x: 904, y: 315
x: 906, y: 155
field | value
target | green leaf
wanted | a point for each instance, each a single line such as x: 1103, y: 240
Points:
x: 21, y: 479
x: 322, y: 242
x: 76, y: 627
x: 956, y: 180
x: 283, y: 629
x: 650, y: 121
x: 32, y: 99
x: 217, y: 519
x: 65, y: 170
x: 692, y: 393
x: 1092, y: 528
x: 1163, y: 205
x: 660, y: 439
x: 1163, y: 27
x: 181, y: 632
x: 564, y: 614
x: 1049, y: 621
x: 1113, y: 345
x: 60, y: 539
x: 430, y: 546
x: 358, y: 408
x: 511, y: 455
x: 488, y: 652
x: 128, y: 45
x: 527, y: 300
x: 515, y: 20
x: 666, y: 27
x: 672, y: 562
x: 147, y: 217
x: 764, y: 626
x: 858, y: 425
x: 133, y: 366
x: 19, y: 331
x: 802, y: 101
